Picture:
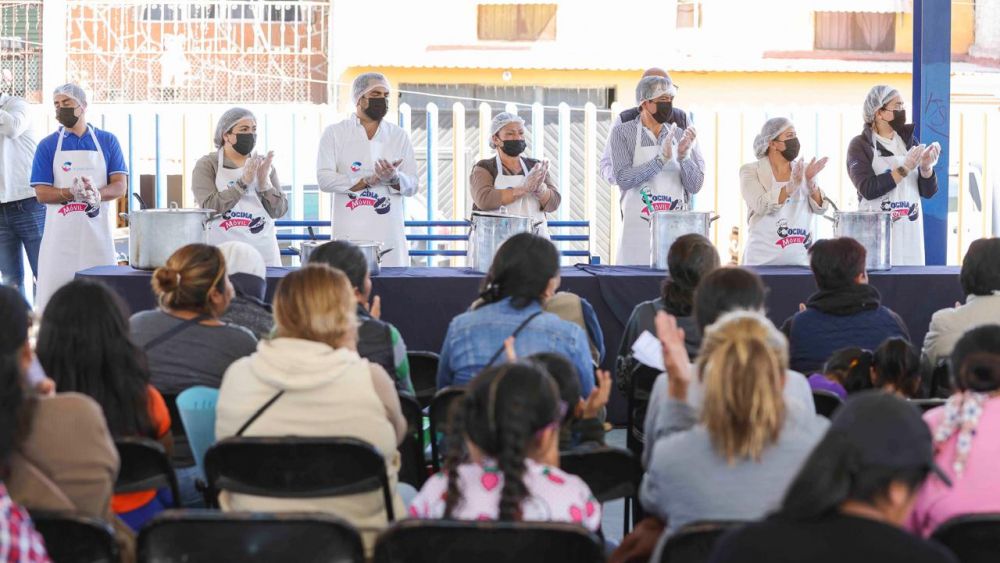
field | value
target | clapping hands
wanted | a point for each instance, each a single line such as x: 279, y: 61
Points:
x: 534, y: 182
x: 687, y: 140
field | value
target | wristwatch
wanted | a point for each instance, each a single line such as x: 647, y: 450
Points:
x: 902, y: 171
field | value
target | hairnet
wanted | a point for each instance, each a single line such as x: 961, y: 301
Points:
x: 366, y: 83
x: 228, y: 120
x: 769, y: 132
x: 73, y: 91
x: 500, y: 121
x: 877, y: 97
x: 652, y: 87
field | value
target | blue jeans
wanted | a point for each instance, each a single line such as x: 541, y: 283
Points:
x: 21, y: 224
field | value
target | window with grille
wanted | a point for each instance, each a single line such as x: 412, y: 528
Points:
x: 688, y: 13
x: 516, y: 22
x: 855, y: 31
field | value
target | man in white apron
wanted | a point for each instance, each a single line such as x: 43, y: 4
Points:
x: 369, y: 165
x: 883, y: 164
x: 78, y: 172
x: 656, y: 164
x: 783, y: 198
x: 247, y: 193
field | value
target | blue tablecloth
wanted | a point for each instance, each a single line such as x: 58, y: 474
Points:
x: 422, y: 301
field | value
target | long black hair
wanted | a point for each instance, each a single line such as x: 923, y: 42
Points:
x: 521, y: 270
x: 84, y: 346
x: 896, y: 363
x: 852, y: 367
x: 691, y: 257
x: 975, y: 360
x: 503, y: 409
x: 724, y: 290
x: 13, y: 336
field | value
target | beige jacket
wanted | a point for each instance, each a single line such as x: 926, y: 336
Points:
x: 757, y: 188
x: 948, y: 325
x: 328, y: 392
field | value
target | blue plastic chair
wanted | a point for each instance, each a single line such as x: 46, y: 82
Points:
x: 196, y: 406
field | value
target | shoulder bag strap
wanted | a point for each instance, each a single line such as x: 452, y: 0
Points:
x: 259, y: 412
x: 174, y: 331
x: 517, y: 331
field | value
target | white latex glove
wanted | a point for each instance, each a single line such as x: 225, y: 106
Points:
x: 913, y: 157
x: 930, y: 156
x: 93, y: 194
x: 79, y: 190
x: 686, y: 142
x: 250, y: 168
x: 386, y: 171
x: 535, y: 179
x: 668, y: 144
x: 812, y: 170
x: 798, y: 175
x: 264, y: 173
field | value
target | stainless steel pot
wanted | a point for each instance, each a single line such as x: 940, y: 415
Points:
x: 155, y: 234
x: 489, y: 231
x: 873, y: 229
x: 667, y: 226
x: 371, y: 249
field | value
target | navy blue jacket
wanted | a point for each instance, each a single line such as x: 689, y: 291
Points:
x: 835, y: 319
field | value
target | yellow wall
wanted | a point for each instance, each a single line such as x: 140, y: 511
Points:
x: 963, y: 28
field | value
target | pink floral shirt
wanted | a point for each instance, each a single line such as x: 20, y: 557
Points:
x: 555, y: 496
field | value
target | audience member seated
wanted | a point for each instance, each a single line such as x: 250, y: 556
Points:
x: 965, y: 434
x: 321, y: 387
x: 690, y: 258
x: 847, y: 371
x: 65, y: 459
x: 852, y: 496
x: 721, y: 291
x: 503, y: 456
x: 583, y: 424
x: 523, y: 276
x: 84, y: 346
x: 846, y: 311
x: 733, y: 460
x: 378, y: 340
x: 577, y: 310
x: 19, y: 541
x: 896, y: 368
x: 184, y: 340
x: 980, y: 279
x: 248, y: 275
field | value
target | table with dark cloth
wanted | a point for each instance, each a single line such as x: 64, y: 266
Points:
x: 422, y: 301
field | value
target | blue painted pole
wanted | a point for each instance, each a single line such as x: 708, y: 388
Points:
x: 932, y: 111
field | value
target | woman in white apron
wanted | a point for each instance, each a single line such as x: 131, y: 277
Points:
x: 241, y: 186
x: 783, y: 198
x: 369, y: 165
x: 78, y: 210
x: 664, y: 190
x: 892, y: 172
x: 512, y: 183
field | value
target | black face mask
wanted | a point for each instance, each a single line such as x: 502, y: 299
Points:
x: 898, y: 119
x: 67, y: 117
x: 791, y: 149
x: 663, y: 111
x: 514, y: 147
x: 377, y: 108
x: 244, y: 143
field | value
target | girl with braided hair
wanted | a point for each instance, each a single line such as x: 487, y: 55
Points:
x: 503, y: 456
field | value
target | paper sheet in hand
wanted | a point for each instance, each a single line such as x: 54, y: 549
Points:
x: 648, y: 350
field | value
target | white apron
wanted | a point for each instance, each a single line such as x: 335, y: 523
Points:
x: 247, y: 221
x: 528, y: 205
x: 663, y: 191
x: 782, y: 238
x: 77, y: 235
x: 375, y: 213
x: 904, y: 204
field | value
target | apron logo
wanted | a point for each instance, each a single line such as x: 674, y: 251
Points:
x: 67, y: 166
x: 90, y: 209
x: 900, y: 209
x: 657, y: 202
x: 368, y: 198
x: 792, y: 235
x: 355, y: 166
x: 242, y: 219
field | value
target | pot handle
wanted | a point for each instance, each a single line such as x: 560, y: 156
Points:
x: 835, y: 209
x: 123, y: 216
x: 142, y: 203
x: 380, y: 253
x: 714, y: 218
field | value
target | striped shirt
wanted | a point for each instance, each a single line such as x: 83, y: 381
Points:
x: 622, y: 142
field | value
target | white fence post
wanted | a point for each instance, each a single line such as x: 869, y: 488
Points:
x: 537, y: 131
x: 565, y: 139
x: 432, y: 158
x: 460, y: 188
x: 590, y: 171
x: 485, y: 119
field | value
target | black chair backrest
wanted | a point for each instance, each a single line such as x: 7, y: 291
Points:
x: 209, y: 536
x: 927, y: 404
x: 449, y: 541
x: 176, y: 424
x: 423, y: 374
x: 640, y: 385
x: 611, y: 473
x: 144, y: 466
x: 297, y: 467
x: 439, y: 414
x: 973, y: 538
x: 693, y: 543
x: 826, y: 402
x: 940, y: 379
x: 413, y: 470
x: 75, y: 538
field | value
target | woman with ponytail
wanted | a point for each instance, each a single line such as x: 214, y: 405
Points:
x: 523, y: 276
x: 852, y: 496
x: 734, y: 460
x: 965, y: 432
x: 503, y: 456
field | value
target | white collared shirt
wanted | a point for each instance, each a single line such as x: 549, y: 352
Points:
x: 17, y: 150
x: 349, y: 136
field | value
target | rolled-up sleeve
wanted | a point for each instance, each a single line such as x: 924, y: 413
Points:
x: 327, y: 175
